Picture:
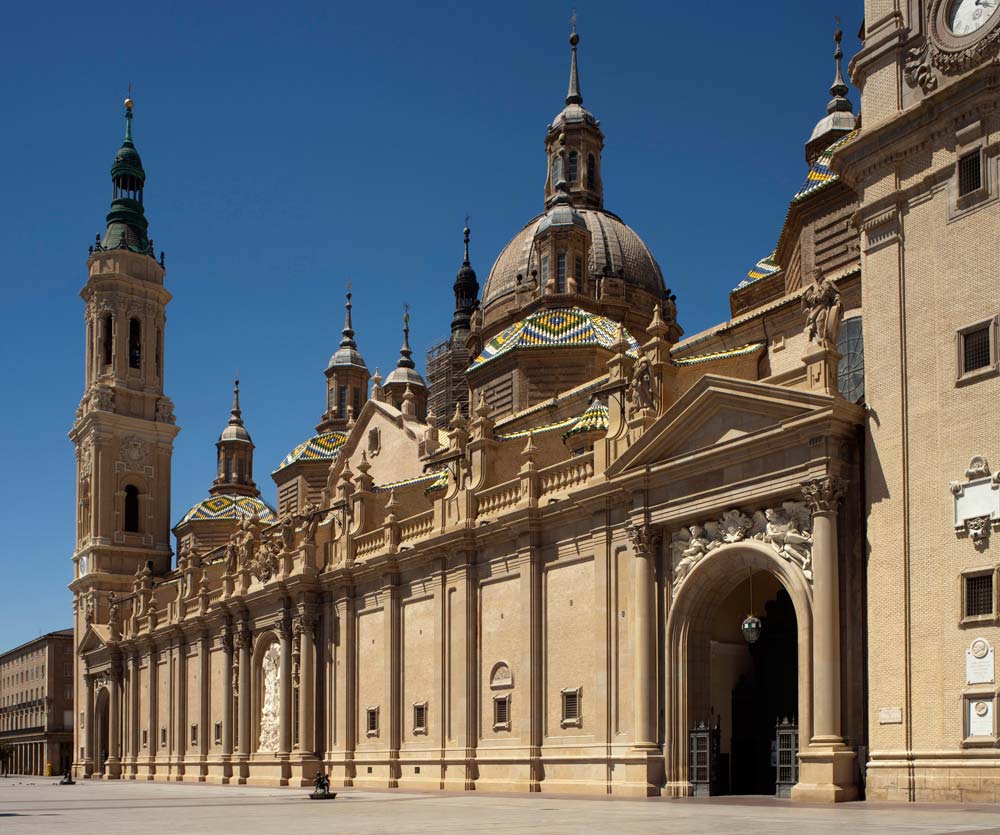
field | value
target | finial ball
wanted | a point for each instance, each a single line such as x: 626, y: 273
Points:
x: 838, y: 36
x: 574, y: 39
x: 128, y: 103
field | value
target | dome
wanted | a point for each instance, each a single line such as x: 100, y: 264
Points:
x: 235, y: 432
x: 405, y: 376
x: 347, y: 355
x: 325, y: 446
x: 569, y: 327
x: 573, y: 114
x: 231, y: 507
x: 615, y: 250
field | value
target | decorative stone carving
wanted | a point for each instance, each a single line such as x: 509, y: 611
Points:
x: 977, y: 502
x: 917, y: 69
x: 89, y: 610
x: 102, y: 399
x: 824, y: 494
x: 953, y: 54
x: 287, y: 533
x: 270, y: 708
x: 310, y: 522
x: 643, y: 538
x: 501, y: 678
x: 787, y: 529
x: 165, y: 411
x: 639, y: 394
x: 133, y: 450
x: 824, y: 311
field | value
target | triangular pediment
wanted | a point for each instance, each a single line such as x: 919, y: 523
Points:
x: 714, y: 412
x: 96, y: 637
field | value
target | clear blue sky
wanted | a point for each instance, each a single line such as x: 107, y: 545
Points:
x: 289, y: 149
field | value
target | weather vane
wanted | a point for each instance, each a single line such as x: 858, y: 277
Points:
x: 572, y: 21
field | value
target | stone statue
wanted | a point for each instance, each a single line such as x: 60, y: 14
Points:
x: 288, y: 533
x: 310, y: 521
x: 231, y: 554
x: 640, y: 389
x: 270, y: 708
x: 788, y: 531
x: 690, y: 545
x: 824, y: 311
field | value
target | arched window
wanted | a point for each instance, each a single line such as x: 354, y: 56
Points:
x: 554, y: 177
x: 106, y: 338
x: 134, y: 343
x: 341, y: 401
x: 132, y: 509
x: 573, y: 167
x: 851, y: 369
x: 591, y: 170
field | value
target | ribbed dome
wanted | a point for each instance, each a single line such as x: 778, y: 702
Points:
x: 615, y: 249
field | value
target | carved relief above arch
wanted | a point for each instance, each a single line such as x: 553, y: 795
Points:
x: 501, y: 677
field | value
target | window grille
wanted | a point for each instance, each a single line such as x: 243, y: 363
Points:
x: 372, y: 721
x: 571, y: 706
x: 194, y: 734
x: 218, y: 733
x: 976, y: 349
x: 420, y: 718
x: 978, y: 595
x: 501, y: 712
x: 970, y: 174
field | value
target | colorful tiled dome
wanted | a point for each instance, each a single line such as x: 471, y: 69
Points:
x: 762, y: 269
x: 820, y: 172
x: 318, y: 448
x: 561, y: 328
x: 231, y: 507
x: 595, y: 419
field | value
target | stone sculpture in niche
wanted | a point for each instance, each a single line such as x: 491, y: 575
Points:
x: 824, y: 311
x: 270, y: 707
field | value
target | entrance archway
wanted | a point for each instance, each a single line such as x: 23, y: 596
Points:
x: 102, y: 727
x: 714, y: 678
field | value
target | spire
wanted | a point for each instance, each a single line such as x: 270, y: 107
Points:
x: 405, y: 352
x: 573, y: 95
x: 236, y: 416
x: 348, y: 332
x: 126, y: 222
x: 234, y: 454
x: 466, y: 291
x: 347, y: 353
x: 838, y: 90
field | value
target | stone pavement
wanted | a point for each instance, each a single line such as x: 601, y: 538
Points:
x: 40, y: 807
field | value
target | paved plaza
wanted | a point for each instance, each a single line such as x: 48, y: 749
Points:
x: 41, y: 807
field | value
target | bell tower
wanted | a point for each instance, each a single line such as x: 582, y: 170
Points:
x: 124, y: 428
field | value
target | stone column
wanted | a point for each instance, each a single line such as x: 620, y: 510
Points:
x: 134, y: 694
x: 307, y: 683
x: 180, y: 705
x: 285, y: 690
x: 245, y: 639
x: 204, y: 703
x: 153, y: 732
x: 88, y: 755
x: 393, y: 660
x: 827, y: 766
x: 644, y: 631
x: 227, y: 702
x: 113, y: 767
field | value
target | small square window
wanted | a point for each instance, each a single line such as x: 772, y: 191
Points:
x: 218, y: 733
x: 976, y: 349
x: 970, y: 173
x: 371, y: 724
x: 420, y: 718
x: 978, y: 595
x: 501, y: 712
x: 194, y: 734
x: 571, y: 707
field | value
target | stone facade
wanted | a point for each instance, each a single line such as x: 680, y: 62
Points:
x: 623, y: 542
x: 36, y: 705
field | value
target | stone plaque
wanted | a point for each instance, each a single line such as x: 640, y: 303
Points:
x: 980, y: 717
x: 979, y: 662
x: 890, y: 716
x: 978, y: 497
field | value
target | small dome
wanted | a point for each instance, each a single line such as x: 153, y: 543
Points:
x: 569, y: 327
x: 405, y: 376
x: 325, y: 446
x: 235, y: 432
x: 594, y: 419
x: 347, y: 356
x: 559, y: 216
x: 231, y: 507
x: 573, y: 114
x: 615, y: 249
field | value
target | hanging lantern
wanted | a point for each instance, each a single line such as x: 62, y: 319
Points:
x: 750, y: 628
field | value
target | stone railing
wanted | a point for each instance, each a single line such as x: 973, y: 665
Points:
x: 417, y: 526
x: 370, y: 543
x: 499, y: 498
x: 567, y: 474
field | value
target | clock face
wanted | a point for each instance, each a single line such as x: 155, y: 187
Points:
x: 968, y: 16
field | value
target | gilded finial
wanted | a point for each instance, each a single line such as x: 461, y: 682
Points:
x: 573, y: 95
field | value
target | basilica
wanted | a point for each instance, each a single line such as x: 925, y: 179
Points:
x: 590, y: 552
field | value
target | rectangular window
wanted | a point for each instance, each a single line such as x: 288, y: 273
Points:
x: 501, y: 713
x: 561, y: 272
x: 163, y: 737
x: 371, y: 724
x: 545, y: 270
x: 970, y: 173
x: 420, y: 718
x: 578, y: 271
x: 357, y: 400
x: 571, y: 707
x: 976, y: 349
x: 978, y: 595
x: 145, y: 738
x: 218, y: 733
x: 194, y: 734
x: 341, y: 401
x: 134, y: 344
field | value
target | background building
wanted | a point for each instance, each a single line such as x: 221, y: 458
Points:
x: 36, y: 704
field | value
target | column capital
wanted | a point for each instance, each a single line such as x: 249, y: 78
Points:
x: 823, y: 495
x: 644, y: 538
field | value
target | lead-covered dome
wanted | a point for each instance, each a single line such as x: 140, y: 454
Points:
x: 615, y: 250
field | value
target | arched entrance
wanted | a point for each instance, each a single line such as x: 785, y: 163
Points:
x: 716, y: 679
x: 102, y: 728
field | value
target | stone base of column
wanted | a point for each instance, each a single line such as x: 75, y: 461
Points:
x: 304, y: 768
x: 643, y: 771
x: 113, y: 768
x: 827, y: 774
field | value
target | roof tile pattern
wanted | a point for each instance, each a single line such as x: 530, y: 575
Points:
x: 318, y: 448
x: 561, y: 328
x: 595, y: 419
x: 820, y: 173
x: 230, y: 507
